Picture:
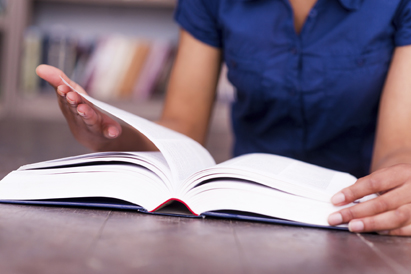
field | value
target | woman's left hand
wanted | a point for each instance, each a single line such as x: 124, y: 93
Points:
x: 390, y: 212
x: 387, y: 214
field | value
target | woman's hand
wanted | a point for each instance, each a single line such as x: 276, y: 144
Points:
x: 389, y: 213
x: 89, y: 126
x: 187, y: 108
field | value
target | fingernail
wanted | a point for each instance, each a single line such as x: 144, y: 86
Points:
x: 59, y: 91
x: 70, y: 101
x: 356, y: 226
x: 81, y: 113
x: 335, y: 219
x: 112, y: 133
x: 384, y: 232
x: 338, y: 198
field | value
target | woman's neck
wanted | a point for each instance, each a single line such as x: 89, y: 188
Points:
x: 301, y: 9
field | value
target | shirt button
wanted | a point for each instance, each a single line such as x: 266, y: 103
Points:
x: 313, y: 13
x: 294, y: 50
x: 361, y: 62
x: 234, y: 64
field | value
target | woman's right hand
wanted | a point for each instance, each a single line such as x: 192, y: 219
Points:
x: 89, y: 126
x: 187, y: 108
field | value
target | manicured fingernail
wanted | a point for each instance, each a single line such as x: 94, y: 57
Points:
x: 335, y: 219
x: 60, y: 92
x: 112, y: 133
x: 338, y: 198
x: 356, y: 226
x: 70, y: 101
x: 81, y: 113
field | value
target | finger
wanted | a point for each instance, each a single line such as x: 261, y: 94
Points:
x: 111, y: 128
x: 386, y: 202
x: 71, y: 102
x: 73, y: 98
x: 111, y: 132
x: 90, y: 117
x: 391, y: 220
x: 98, y: 122
x: 52, y: 76
x: 62, y: 90
x: 403, y: 231
x: 379, y: 181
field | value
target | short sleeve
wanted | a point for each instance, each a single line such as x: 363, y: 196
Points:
x: 200, y: 19
x: 402, y: 22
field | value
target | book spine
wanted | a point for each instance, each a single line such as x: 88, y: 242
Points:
x: 138, y: 61
x: 31, y: 58
x: 172, y: 200
x: 144, y: 86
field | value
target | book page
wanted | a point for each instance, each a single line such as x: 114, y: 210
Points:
x: 152, y: 160
x: 229, y: 194
x: 134, y: 184
x: 183, y: 155
x: 281, y: 173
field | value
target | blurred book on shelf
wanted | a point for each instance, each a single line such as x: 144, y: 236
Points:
x: 109, y: 68
x: 31, y: 58
x: 113, y: 67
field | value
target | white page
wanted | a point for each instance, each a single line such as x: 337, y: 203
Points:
x: 279, y: 172
x: 133, y: 184
x: 248, y: 197
x: 152, y: 160
x: 175, y: 147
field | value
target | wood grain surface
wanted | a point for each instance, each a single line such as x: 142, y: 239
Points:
x: 36, y: 239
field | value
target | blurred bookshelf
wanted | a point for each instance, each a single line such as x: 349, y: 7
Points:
x: 24, y: 21
x: 3, y: 25
x: 149, y: 20
x: 152, y: 20
x: 13, y: 18
x: 127, y: 3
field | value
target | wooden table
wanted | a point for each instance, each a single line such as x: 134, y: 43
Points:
x: 35, y: 239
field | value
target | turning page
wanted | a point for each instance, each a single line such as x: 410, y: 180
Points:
x: 183, y: 155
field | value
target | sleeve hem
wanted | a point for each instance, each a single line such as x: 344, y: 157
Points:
x: 402, y: 41
x: 196, y: 33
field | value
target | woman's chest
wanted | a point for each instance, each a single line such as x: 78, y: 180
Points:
x: 260, y: 29
x: 259, y: 39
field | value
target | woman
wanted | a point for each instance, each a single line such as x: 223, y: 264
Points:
x: 311, y: 77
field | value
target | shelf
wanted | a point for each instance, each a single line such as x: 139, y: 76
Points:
x: 45, y: 107
x: 117, y: 15
x: 127, y: 3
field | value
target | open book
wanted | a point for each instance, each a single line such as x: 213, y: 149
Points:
x: 259, y: 186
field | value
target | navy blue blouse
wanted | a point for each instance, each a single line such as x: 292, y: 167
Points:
x: 312, y: 96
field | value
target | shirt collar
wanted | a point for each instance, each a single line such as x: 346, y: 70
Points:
x: 348, y: 4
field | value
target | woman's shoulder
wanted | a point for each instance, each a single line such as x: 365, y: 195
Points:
x: 200, y: 19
